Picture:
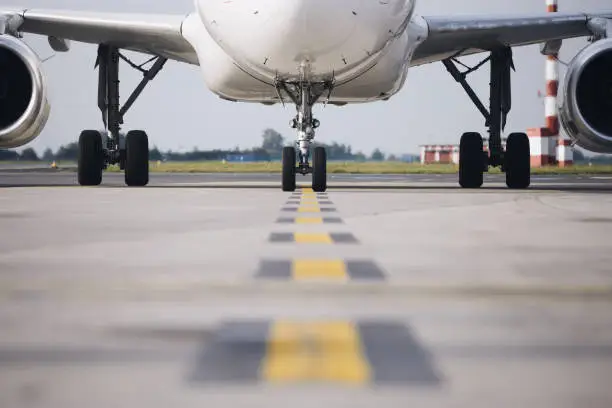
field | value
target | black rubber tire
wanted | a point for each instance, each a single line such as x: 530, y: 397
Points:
x: 471, y: 160
x: 288, y: 168
x: 319, y: 169
x: 518, y: 161
x: 122, y: 159
x: 90, y: 159
x: 136, y: 158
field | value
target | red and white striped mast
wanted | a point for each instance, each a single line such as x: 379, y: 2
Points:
x: 564, y: 156
x: 552, y: 83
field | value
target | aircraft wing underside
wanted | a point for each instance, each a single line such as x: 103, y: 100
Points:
x: 457, y: 36
x: 148, y: 33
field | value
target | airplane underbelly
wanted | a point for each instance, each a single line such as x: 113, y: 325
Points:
x: 316, y: 38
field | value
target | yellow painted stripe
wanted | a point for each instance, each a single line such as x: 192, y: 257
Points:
x: 317, y: 269
x: 304, y: 209
x: 317, y: 351
x: 309, y: 220
x: 308, y: 200
x: 312, y: 238
x: 307, y: 190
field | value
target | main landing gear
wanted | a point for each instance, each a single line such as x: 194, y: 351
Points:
x: 99, y: 149
x: 304, y: 95
x: 515, y: 161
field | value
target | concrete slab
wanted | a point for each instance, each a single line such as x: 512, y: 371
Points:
x: 131, y: 297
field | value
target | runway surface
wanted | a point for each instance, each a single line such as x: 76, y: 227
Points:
x: 223, y: 291
x: 33, y: 177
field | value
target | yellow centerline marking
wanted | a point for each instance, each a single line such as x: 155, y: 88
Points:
x: 312, y: 238
x: 317, y: 269
x: 319, y: 351
x: 316, y: 209
x: 309, y: 220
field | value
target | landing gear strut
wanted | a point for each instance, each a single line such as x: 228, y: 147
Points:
x: 99, y: 149
x: 304, y: 95
x: 473, y: 161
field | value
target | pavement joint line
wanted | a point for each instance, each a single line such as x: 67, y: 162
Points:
x: 290, y: 351
x: 308, y: 269
x: 405, y: 291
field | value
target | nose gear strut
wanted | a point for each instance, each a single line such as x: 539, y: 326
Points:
x: 304, y: 94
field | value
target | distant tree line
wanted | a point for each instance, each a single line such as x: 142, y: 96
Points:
x: 269, y: 150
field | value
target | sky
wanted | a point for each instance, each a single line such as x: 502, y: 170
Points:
x: 180, y: 113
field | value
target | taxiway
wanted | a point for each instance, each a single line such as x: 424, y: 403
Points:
x: 221, y: 290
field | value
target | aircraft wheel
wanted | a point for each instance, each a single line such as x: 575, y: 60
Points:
x: 288, y: 168
x: 136, y: 158
x: 319, y: 169
x: 122, y: 159
x: 90, y: 159
x: 518, y: 161
x: 471, y: 160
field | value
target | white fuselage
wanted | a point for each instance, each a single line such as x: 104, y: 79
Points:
x: 365, y: 46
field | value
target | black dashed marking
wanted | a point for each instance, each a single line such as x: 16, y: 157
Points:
x: 343, y: 238
x: 357, y: 270
x: 237, y: 350
x: 364, y: 270
x: 396, y: 356
x: 273, y: 269
x: 282, y: 237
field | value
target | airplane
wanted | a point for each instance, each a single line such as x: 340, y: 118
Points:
x: 305, y: 52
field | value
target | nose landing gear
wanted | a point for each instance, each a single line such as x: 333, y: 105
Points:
x: 295, y: 160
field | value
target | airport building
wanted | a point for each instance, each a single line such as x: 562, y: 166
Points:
x: 446, y: 154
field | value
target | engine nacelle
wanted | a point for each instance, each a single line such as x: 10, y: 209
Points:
x: 586, y: 113
x: 24, y: 108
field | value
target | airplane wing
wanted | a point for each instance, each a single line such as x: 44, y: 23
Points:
x: 458, y: 36
x: 152, y: 34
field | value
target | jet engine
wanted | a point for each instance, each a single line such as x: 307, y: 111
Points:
x: 586, y: 113
x: 24, y: 108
